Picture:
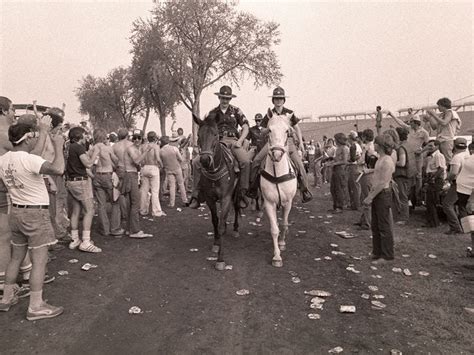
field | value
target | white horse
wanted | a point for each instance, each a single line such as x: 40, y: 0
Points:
x: 278, y: 182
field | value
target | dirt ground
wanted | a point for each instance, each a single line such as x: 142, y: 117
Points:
x: 189, y: 307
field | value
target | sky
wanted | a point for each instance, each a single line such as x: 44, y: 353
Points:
x: 335, y: 56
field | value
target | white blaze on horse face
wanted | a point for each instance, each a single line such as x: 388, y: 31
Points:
x: 278, y: 135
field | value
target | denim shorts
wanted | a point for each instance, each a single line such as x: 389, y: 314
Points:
x: 31, y: 227
x: 81, y: 190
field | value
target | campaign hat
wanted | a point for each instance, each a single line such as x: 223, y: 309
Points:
x: 225, y: 91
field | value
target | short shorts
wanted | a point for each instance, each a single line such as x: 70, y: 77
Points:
x: 81, y: 190
x: 31, y: 227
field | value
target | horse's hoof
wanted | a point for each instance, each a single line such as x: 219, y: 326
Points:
x: 220, y: 265
x: 236, y: 234
x: 215, y: 248
x: 277, y: 263
x: 282, y: 247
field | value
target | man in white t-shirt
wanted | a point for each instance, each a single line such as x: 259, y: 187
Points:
x: 451, y: 198
x: 29, y: 220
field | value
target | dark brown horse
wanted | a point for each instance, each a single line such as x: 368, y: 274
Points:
x: 219, y: 182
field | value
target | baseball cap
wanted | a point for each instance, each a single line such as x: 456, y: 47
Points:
x: 460, y: 142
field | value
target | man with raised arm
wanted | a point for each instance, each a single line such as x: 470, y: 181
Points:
x: 29, y: 221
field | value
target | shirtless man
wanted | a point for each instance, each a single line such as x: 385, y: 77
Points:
x: 103, y: 186
x: 151, y: 177
x: 131, y: 159
x: 119, y: 149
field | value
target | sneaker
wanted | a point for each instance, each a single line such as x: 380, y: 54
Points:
x: 89, y: 247
x: 45, y: 311
x: 121, y: 231
x: 22, y: 291
x: 140, y: 235
x: 160, y: 214
x: 5, y: 307
x: 47, y: 279
x: 74, y: 244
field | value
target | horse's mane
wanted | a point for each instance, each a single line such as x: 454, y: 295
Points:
x: 210, y: 120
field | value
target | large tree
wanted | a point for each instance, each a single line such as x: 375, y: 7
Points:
x: 110, y: 102
x: 150, y: 77
x: 200, y: 43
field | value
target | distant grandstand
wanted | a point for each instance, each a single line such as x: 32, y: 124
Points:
x: 329, y: 125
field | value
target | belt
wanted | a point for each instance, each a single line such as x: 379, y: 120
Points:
x: 80, y: 178
x: 101, y: 173
x: 40, y: 207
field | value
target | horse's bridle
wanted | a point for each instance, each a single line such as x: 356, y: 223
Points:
x: 274, y: 148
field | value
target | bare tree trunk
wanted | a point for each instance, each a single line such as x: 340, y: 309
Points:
x: 147, y: 116
x: 163, y: 124
x: 196, y: 111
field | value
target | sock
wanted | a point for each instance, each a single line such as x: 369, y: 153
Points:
x: 75, y: 234
x: 86, y: 236
x: 8, y: 292
x: 25, y: 271
x: 36, y: 299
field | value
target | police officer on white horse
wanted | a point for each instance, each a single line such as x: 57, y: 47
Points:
x: 278, y: 100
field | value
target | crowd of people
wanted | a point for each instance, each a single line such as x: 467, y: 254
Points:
x: 121, y: 176
x: 389, y: 174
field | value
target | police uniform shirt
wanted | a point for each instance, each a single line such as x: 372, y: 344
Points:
x: 228, y: 122
x: 256, y: 136
x: 293, y: 121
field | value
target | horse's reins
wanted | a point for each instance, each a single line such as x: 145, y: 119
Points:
x: 218, y: 172
x: 278, y: 179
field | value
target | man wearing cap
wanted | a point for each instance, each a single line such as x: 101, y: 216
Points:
x: 7, y: 118
x: 256, y: 136
x: 228, y: 118
x: 417, y: 137
x: 278, y: 100
x: 451, y: 197
x: 29, y: 221
x: 150, y: 177
x: 132, y: 158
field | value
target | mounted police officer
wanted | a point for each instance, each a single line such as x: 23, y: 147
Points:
x: 256, y: 133
x: 228, y: 118
x: 278, y: 100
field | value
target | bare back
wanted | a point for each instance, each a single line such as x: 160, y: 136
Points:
x: 119, y: 149
x: 153, y: 156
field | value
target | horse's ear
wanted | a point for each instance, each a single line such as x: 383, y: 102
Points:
x: 269, y: 113
x: 197, y: 120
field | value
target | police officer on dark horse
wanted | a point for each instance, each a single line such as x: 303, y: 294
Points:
x: 228, y: 118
